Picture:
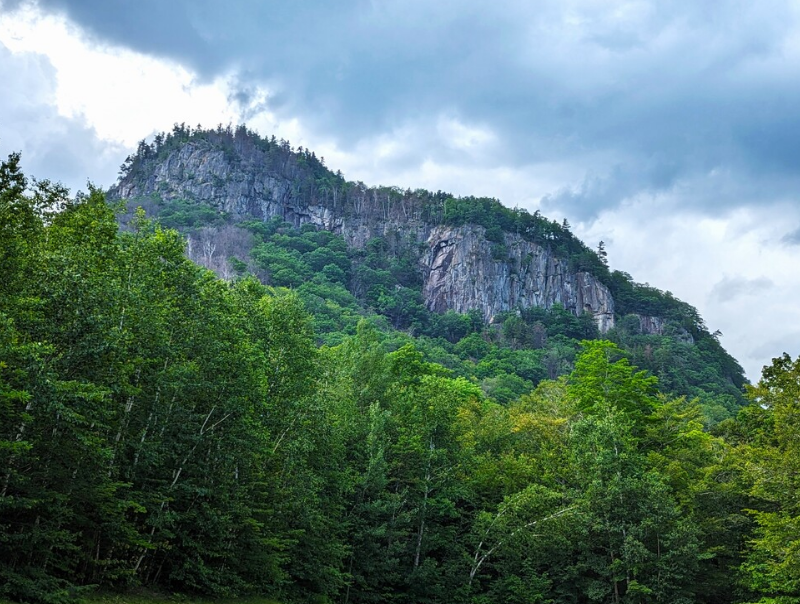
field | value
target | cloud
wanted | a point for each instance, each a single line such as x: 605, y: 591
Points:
x: 773, y: 348
x: 730, y: 288
x: 792, y: 238
x: 641, y: 96
x: 76, y: 108
x: 53, y: 146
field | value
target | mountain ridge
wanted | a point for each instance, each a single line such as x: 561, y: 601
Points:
x: 531, y: 261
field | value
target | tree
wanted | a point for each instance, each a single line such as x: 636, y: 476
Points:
x: 604, y: 379
x: 602, y: 254
x: 633, y: 544
x: 771, y: 569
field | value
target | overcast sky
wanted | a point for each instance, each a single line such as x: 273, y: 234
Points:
x: 670, y: 130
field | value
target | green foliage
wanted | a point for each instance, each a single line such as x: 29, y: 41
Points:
x: 603, y: 379
x: 162, y: 428
x: 643, y: 299
x: 185, y: 214
x: 696, y: 369
x: 639, y: 547
x: 771, y: 568
x: 131, y: 451
x: 285, y: 267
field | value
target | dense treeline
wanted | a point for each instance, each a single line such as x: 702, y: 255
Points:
x: 161, y: 427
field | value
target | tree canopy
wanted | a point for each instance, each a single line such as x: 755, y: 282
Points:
x: 315, y: 440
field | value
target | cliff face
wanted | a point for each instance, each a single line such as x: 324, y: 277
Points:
x: 461, y: 269
x: 651, y: 325
x: 463, y: 272
x: 659, y: 326
x: 202, y: 173
x: 242, y: 186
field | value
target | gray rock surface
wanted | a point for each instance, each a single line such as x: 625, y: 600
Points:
x: 463, y: 272
x: 651, y: 325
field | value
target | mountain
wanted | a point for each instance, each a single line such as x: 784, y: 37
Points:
x: 461, y: 268
x: 410, y: 256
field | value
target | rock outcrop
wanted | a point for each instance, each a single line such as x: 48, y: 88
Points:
x: 651, y: 325
x: 462, y: 272
x: 241, y: 188
x: 245, y: 188
x: 659, y: 326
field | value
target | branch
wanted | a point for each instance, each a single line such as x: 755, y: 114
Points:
x: 480, y: 560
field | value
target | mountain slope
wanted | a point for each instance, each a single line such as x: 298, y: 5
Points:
x: 244, y: 201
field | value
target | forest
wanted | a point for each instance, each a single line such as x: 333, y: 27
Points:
x: 306, y: 429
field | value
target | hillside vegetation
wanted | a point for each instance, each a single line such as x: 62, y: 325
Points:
x: 161, y: 427
x: 382, y: 279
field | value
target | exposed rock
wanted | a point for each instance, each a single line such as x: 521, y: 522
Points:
x: 200, y: 172
x: 659, y: 326
x: 462, y: 273
x: 245, y: 188
x: 651, y: 325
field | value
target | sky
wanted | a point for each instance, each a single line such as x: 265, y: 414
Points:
x: 670, y: 130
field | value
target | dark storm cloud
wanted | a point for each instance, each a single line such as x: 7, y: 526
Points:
x: 641, y: 97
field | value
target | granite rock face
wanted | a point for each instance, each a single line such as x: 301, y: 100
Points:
x: 198, y: 172
x: 651, y: 325
x: 461, y: 269
x: 245, y: 189
x: 659, y: 326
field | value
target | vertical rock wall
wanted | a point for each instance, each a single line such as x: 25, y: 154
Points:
x: 464, y: 271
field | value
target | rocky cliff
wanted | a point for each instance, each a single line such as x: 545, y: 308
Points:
x: 461, y: 269
x: 247, y: 185
x: 658, y: 326
x: 237, y: 185
x: 463, y: 272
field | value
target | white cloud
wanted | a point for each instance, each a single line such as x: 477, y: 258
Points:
x: 123, y: 95
x: 53, y: 146
x: 733, y: 268
x: 464, y: 137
